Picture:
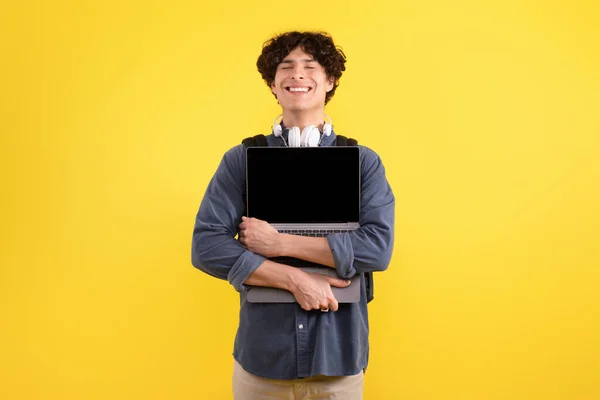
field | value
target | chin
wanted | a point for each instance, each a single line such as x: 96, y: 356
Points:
x: 301, y: 107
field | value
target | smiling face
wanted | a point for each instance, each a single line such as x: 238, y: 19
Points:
x: 301, y: 82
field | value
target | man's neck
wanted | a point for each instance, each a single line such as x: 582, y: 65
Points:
x: 304, y: 119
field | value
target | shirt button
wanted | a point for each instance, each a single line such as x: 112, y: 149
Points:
x: 301, y: 326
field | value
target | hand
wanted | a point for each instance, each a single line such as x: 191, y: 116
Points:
x: 313, y: 291
x: 260, y: 237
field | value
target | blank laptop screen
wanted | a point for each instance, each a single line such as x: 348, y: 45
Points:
x: 303, y: 185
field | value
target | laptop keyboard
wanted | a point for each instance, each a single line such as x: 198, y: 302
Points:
x: 313, y: 233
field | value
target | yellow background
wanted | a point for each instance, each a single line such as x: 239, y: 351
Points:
x: 113, y: 118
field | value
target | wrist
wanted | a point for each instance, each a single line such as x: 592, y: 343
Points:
x: 294, y: 276
x: 285, y: 246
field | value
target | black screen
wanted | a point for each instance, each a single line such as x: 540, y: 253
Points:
x: 303, y: 185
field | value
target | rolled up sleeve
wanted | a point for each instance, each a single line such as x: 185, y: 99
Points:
x: 368, y: 248
x: 215, y: 250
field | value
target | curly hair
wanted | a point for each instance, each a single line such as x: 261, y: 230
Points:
x: 318, y: 44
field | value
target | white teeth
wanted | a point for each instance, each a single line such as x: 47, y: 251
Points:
x: 299, y: 89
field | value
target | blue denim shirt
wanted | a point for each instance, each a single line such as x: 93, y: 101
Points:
x: 283, y: 341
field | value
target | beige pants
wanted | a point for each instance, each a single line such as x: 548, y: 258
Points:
x: 251, y: 387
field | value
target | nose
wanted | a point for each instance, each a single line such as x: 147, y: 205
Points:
x: 298, y: 72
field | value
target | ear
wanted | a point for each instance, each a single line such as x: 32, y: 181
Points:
x: 329, y: 85
x: 273, y: 88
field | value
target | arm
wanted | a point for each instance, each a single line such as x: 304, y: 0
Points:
x: 215, y: 250
x: 272, y: 274
x: 313, y: 249
x: 370, y: 247
x: 312, y: 291
x: 262, y: 238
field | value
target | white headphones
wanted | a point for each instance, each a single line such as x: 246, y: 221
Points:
x: 310, y: 136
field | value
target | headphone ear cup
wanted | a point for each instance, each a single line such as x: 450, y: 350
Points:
x: 326, y: 129
x: 310, y: 136
x: 277, y: 130
x: 294, y: 139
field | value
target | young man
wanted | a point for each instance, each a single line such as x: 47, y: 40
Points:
x: 291, y: 350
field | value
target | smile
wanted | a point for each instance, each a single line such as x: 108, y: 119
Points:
x: 298, y: 89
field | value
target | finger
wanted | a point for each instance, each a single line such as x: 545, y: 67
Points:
x: 317, y: 305
x: 333, y: 304
x: 338, y: 282
x: 242, y: 241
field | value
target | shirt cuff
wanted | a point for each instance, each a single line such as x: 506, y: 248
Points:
x: 246, y: 264
x: 343, y: 254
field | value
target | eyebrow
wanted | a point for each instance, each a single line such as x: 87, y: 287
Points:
x: 307, y: 60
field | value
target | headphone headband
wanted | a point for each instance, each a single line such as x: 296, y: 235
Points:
x: 310, y: 136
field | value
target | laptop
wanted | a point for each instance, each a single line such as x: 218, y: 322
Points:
x: 312, y: 191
